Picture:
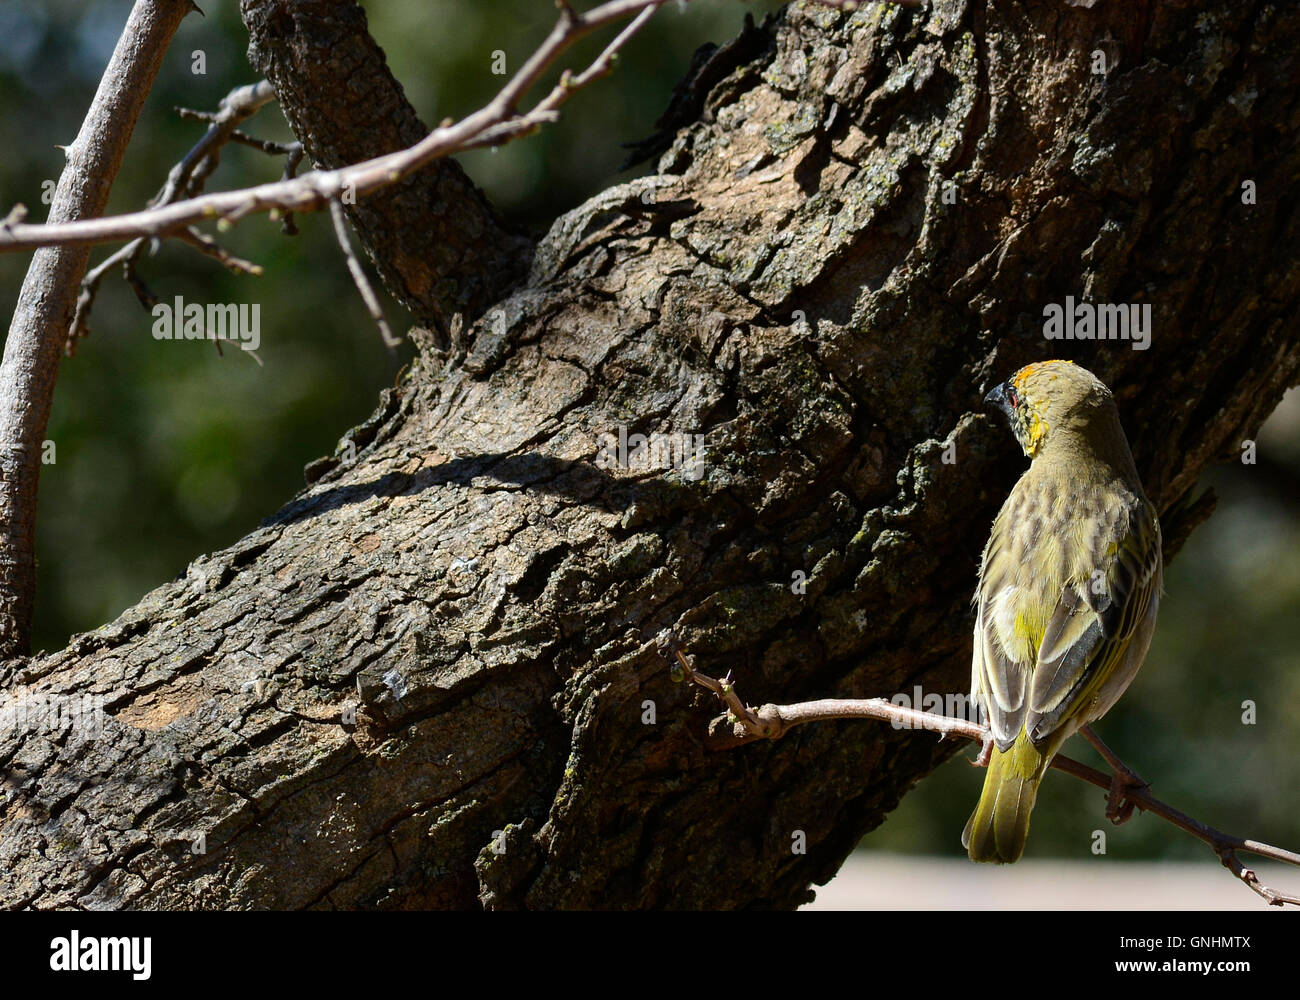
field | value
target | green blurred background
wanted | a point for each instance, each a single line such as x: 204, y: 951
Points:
x: 168, y: 451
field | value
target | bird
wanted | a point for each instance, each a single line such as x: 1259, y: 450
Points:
x: 1065, y: 607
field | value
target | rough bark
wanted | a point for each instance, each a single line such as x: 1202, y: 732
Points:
x: 48, y: 298
x: 793, y: 285
x: 334, y: 86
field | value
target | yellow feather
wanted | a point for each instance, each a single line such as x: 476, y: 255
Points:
x: 999, y: 826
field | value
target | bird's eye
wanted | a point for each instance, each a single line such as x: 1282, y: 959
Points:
x: 1013, y: 399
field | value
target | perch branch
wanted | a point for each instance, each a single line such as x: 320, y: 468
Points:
x: 771, y: 722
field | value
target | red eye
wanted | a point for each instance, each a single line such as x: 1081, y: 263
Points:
x: 1012, y: 398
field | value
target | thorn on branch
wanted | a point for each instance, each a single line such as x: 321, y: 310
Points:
x: 16, y: 215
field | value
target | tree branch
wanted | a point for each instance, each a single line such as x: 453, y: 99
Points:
x: 28, y: 374
x: 771, y: 722
x: 46, y: 302
x: 434, y: 239
x: 495, y: 124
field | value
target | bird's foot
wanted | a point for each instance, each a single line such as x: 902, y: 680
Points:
x: 1119, y: 807
x: 986, y: 752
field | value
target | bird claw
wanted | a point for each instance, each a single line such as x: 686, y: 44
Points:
x: 1119, y: 807
x: 985, y: 754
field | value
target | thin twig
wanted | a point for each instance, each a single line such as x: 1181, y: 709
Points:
x: 90, y: 285
x: 1224, y: 845
x: 359, y: 277
x: 206, y: 244
x: 237, y: 106
x: 771, y: 722
x: 292, y: 158
x: 268, y: 146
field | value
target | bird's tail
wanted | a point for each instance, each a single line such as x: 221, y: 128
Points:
x: 999, y: 825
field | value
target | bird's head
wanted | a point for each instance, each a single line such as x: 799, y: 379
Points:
x: 1043, y: 398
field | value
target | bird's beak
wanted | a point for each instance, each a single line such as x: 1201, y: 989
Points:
x: 1000, y: 398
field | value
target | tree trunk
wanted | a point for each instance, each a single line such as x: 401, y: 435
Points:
x: 857, y: 238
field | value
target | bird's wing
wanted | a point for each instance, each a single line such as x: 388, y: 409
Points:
x: 997, y: 681
x: 1090, y: 628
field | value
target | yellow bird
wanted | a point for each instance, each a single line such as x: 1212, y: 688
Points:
x: 1068, y: 590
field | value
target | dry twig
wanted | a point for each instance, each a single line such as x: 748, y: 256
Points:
x: 186, y: 179
x: 359, y: 277
x: 744, y: 724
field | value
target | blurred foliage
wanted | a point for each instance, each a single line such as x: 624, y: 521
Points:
x: 166, y: 450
